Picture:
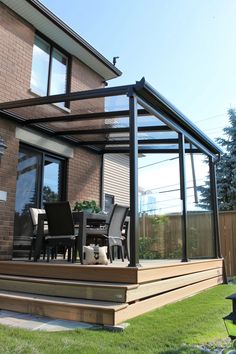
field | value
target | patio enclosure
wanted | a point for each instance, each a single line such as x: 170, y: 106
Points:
x: 136, y: 120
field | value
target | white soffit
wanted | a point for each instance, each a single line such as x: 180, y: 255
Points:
x: 40, y: 141
x: 67, y: 38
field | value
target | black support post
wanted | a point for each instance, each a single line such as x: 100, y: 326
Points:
x: 102, y: 196
x: 214, y: 208
x: 133, y: 161
x: 183, y: 196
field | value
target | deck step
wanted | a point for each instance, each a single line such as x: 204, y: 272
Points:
x: 99, y: 312
x: 70, y: 271
x: 114, y: 292
x: 101, y: 295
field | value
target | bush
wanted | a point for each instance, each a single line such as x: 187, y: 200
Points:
x: 87, y: 205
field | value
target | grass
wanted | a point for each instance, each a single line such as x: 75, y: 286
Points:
x: 176, y: 328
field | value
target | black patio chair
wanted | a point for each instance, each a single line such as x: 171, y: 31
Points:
x: 109, y: 234
x: 61, y: 230
x: 34, y: 213
x: 114, y: 231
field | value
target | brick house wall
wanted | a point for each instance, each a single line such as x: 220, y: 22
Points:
x: 84, y: 169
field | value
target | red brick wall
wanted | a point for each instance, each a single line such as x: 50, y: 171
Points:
x: 15, y: 56
x: 84, y: 177
x: 16, y: 44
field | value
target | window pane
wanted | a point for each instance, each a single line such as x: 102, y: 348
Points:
x: 40, y: 66
x: 58, y: 73
x: 109, y: 201
x: 51, y: 180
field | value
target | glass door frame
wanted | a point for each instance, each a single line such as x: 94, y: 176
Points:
x: 48, y: 155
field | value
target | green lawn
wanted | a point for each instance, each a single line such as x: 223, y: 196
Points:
x: 173, y: 329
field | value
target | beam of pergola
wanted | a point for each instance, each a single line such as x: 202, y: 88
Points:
x: 126, y: 142
x: 72, y: 96
x: 146, y: 149
x: 159, y: 128
x: 85, y: 117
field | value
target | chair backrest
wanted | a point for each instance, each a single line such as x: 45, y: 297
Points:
x: 117, y: 220
x: 60, y: 220
x: 34, y: 213
x: 110, y: 212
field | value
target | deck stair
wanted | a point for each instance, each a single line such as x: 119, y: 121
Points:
x: 88, y: 294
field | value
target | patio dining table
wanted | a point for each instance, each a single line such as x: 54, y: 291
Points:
x: 87, y: 223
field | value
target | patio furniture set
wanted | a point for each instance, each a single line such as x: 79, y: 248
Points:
x: 89, y: 235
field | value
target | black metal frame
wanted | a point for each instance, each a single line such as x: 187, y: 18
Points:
x: 213, y: 187
x: 183, y: 196
x: 153, y: 104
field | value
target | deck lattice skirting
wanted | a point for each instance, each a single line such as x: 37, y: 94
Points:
x: 99, y: 294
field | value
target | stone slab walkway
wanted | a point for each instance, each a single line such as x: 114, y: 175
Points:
x: 38, y: 323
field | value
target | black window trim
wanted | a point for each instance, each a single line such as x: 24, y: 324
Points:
x: 52, y: 45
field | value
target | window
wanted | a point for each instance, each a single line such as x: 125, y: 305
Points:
x: 50, y: 69
x: 109, y: 201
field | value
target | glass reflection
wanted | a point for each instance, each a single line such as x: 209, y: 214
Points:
x: 40, y: 66
x: 28, y: 172
x: 51, y: 180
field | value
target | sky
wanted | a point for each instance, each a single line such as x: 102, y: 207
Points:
x: 184, y: 48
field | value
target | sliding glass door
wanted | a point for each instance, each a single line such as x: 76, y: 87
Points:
x: 40, y: 179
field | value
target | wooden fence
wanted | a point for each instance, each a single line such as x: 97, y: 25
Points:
x: 227, y: 223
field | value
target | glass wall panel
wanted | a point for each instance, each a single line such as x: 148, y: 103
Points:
x: 199, y: 207
x: 160, y: 207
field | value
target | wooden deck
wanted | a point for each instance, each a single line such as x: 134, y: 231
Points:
x: 105, y: 295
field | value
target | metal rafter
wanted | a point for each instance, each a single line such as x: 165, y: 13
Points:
x: 85, y: 117
x: 147, y: 96
x: 126, y: 142
x: 160, y: 128
x: 145, y: 149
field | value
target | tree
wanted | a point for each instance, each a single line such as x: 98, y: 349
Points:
x: 225, y: 170
x: 49, y: 195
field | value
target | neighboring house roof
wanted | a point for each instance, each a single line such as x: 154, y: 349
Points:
x: 51, y: 26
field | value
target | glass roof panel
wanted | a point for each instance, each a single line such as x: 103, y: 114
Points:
x: 116, y: 103
x: 149, y: 120
x: 158, y: 135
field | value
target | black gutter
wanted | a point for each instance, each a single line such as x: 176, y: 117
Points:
x: 65, y: 28
x: 143, y: 89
